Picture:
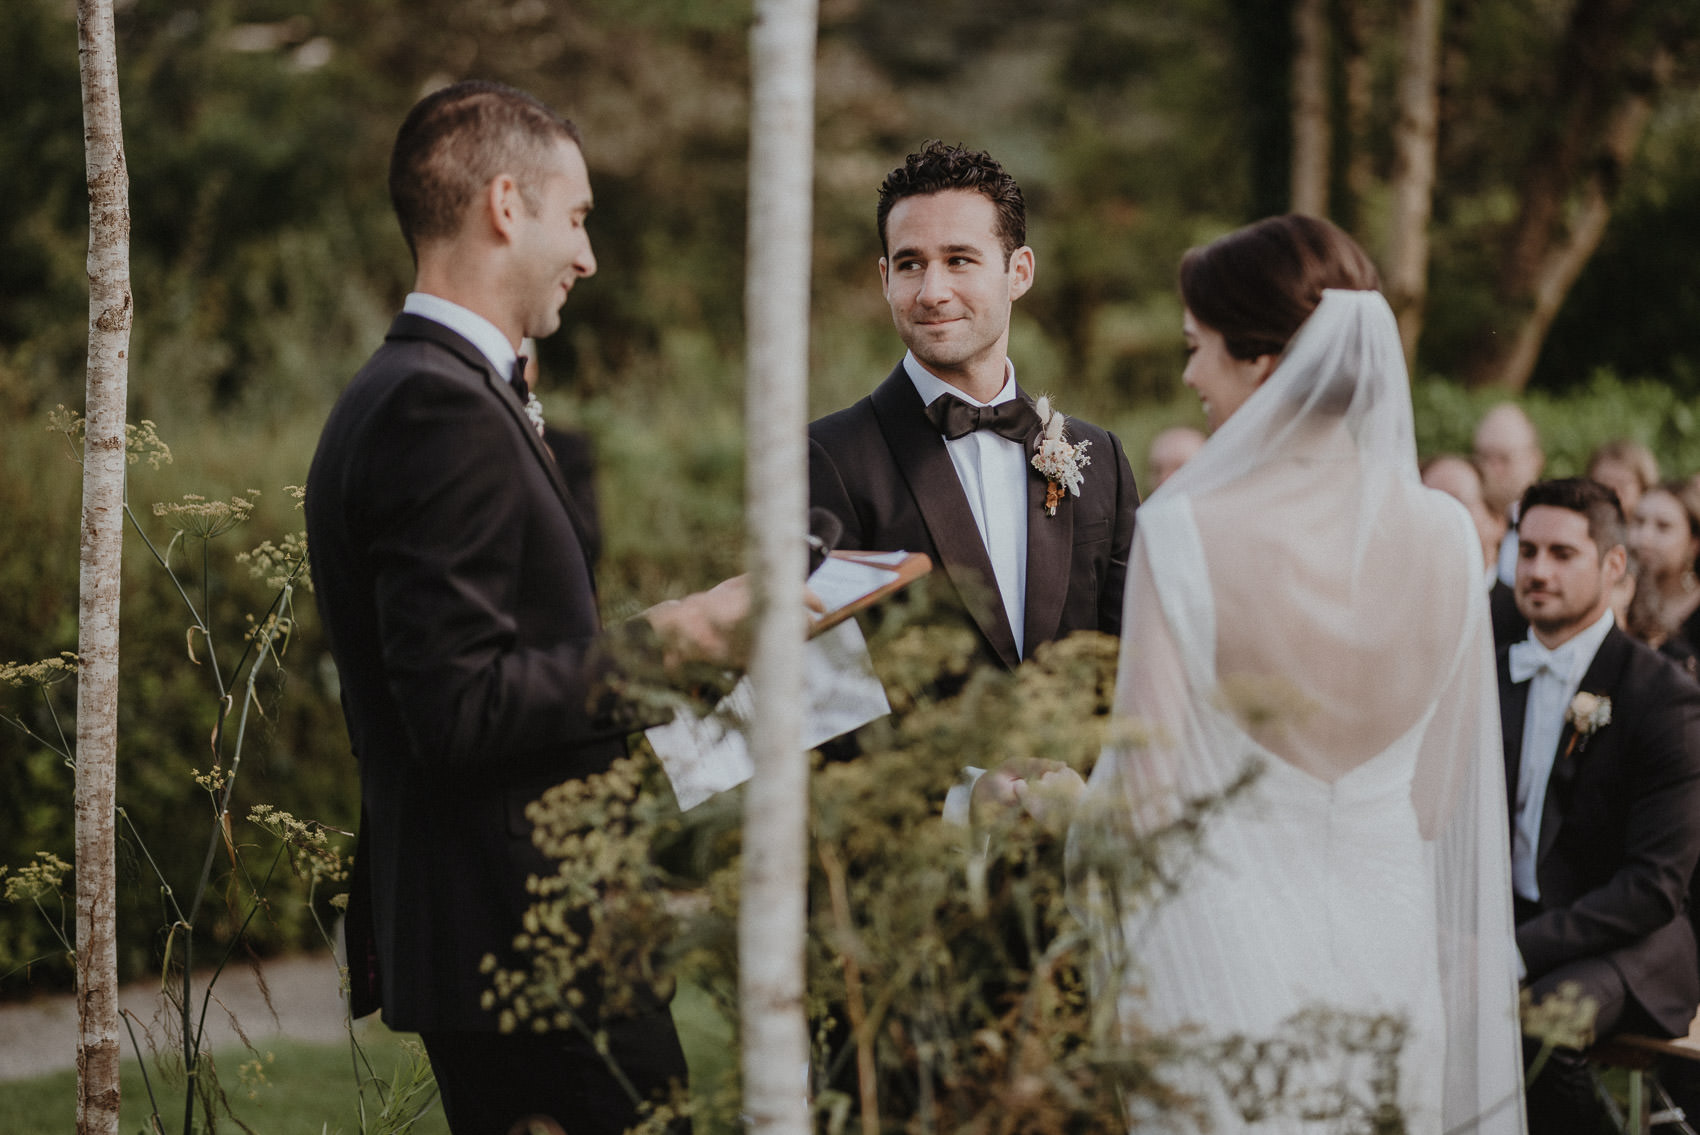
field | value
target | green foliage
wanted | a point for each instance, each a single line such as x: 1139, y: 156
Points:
x: 947, y: 986
x: 1571, y: 423
x: 1637, y: 303
x: 170, y: 719
x: 279, y: 1091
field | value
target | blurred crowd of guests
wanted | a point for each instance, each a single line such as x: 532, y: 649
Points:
x: 1658, y: 601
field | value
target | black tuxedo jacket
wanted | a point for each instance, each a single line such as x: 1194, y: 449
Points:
x: 882, y: 468
x: 1620, y: 830
x: 451, y: 575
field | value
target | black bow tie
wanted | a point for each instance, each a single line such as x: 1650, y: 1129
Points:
x: 517, y: 380
x: 955, y: 418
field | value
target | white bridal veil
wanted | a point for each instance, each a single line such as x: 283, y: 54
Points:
x: 1299, y: 605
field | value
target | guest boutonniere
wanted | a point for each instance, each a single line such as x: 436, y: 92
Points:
x: 1587, y: 715
x: 1059, y: 459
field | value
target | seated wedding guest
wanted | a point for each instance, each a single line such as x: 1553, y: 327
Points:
x: 1665, y: 538
x: 1626, y: 467
x: 1602, y: 757
x: 1170, y: 450
x: 1457, y: 477
x: 1635, y: 609
x: 1507, y: 452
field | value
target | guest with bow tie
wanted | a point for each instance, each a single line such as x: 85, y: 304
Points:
x: 1602, y: 760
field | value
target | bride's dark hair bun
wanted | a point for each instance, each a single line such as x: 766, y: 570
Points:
x: 1257, y: 285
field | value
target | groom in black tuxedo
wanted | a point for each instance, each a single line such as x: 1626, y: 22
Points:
x: 938, y: 459
x: 1602, y: 760
x: 450, y: 570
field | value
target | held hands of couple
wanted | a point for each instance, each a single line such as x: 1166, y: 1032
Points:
x: 710, y: 626
x: 1045, y: 790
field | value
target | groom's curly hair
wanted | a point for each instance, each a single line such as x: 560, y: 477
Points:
x: 1593, y: 500
x: 936, y: 167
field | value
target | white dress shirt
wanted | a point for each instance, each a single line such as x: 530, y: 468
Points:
x: 993, y: 471
x: 1550, y: 691
x: 469, y: 325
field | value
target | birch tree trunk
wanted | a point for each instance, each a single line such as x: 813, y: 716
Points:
x: 102, y: 543
x: 1311, y: 136
x: 772, y: 911
x: 1415, y: 137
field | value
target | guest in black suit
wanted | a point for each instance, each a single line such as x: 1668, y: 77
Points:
x: 1602, y: 758
x: 1028, y: 564
x: 450, y: 570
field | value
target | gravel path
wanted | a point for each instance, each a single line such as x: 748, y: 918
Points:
x: 38, y: 1037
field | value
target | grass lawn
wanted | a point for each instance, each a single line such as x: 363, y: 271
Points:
x: 308, y: 1089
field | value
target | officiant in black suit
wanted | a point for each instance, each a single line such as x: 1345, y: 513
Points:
x: 1602, y: 759
x: 450, y: 571
x: 939, y: 458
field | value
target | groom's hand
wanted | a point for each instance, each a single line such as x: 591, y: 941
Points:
x: 710, y: 626
x: 707, y: 626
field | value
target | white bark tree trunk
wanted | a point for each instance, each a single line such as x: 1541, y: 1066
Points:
x: 1414, y: 140
x: 1311, y: 135
x: 101, y: 547
x: 772, y: 912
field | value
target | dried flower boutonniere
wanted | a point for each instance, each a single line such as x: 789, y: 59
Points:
x: 1059, y: 459
x: 1588, y: 713
x: 534, y: 411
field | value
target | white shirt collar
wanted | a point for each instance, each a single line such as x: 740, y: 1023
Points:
x: 469, y: 325
x: 1576, y: 654
x: 930, y: 386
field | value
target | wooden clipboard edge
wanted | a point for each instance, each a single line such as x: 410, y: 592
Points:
x: 912, y: 567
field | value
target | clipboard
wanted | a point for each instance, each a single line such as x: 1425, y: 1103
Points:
x: 858, y: 580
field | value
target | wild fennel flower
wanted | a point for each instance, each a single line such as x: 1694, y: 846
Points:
x: 41, y: 674
x: 195, y: 515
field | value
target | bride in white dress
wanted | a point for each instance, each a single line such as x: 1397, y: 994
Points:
x: 1333, y: 938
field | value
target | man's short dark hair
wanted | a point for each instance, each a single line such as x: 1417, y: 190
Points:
x: 454, y: 141
x: 1590, y: 498
x: 936, y: 167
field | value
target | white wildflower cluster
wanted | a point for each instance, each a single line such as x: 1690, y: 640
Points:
x: 195, y: 515
x: 311, y: 852
x: 39, y: 674
x: 44, y: 876
x: 141, y: 439
x: 281, y: 563
x: 1561, y: 1019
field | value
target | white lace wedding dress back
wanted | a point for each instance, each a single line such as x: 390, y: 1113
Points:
x: 1334, y: 937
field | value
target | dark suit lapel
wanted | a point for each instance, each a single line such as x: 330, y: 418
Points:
x: 1050, y: 546
x: 1601, y: 678
x: 408, y: 326
x: 921, y: 457
x: 1513, y: 703
x: 418, y: 327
